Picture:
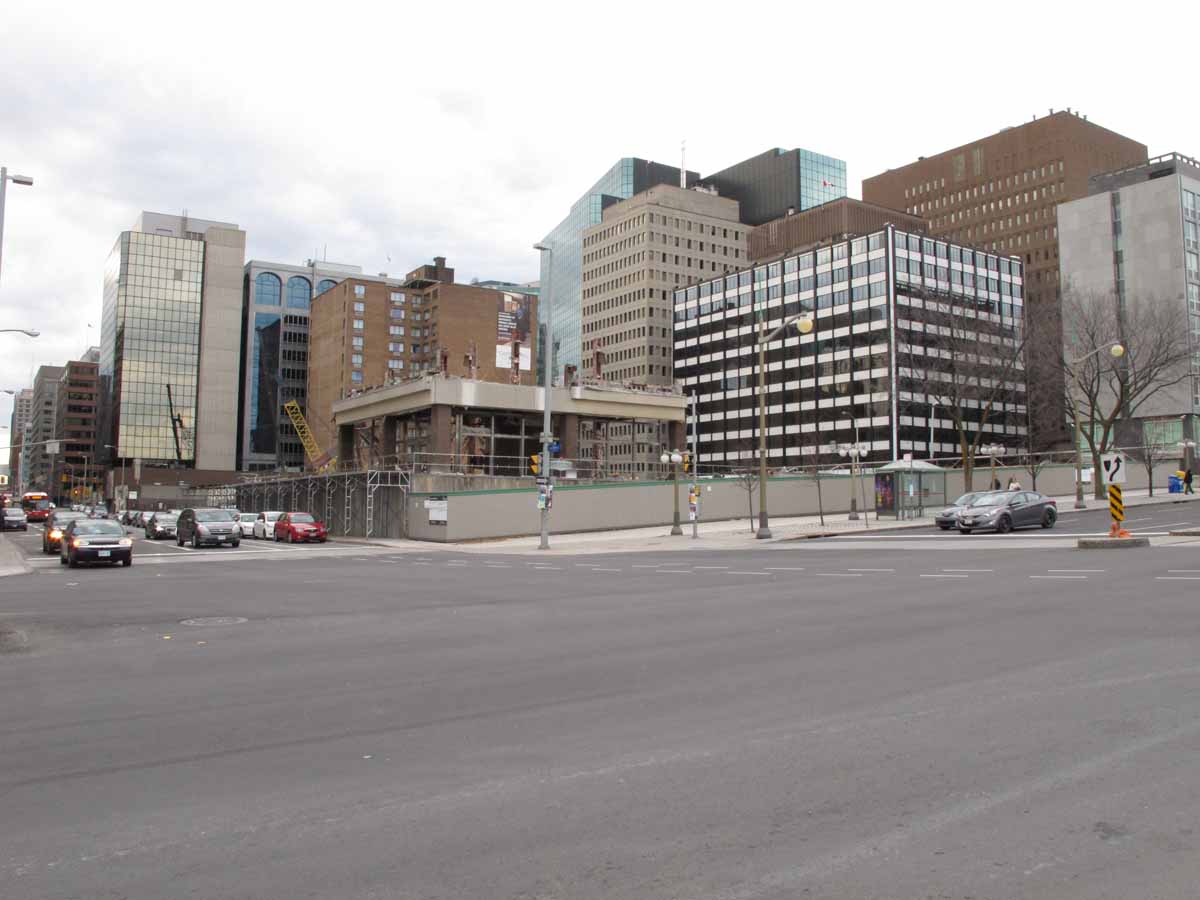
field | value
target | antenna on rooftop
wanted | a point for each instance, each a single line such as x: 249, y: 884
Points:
x: 683, y: 164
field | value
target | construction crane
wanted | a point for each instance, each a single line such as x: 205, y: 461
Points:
x: 318, y: 459
x: 176, y: 424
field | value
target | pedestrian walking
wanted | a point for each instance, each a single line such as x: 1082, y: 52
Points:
x: 1013, y: 484
x: 1187, y: 481
x: 995, y: 484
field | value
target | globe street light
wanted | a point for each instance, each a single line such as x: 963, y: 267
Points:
x: 804, y: 324
x: 992, y: 451
x: 674, y: 457
x: 1116, y: 351
x: 854, y: 452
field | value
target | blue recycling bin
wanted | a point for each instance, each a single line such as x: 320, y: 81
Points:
x: 1174, y: 484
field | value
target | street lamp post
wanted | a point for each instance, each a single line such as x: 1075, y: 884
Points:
x: 5, y: 178
x: 854, y: 452
x: 547, y: 353
x: 933, y: 404
x: 674, y: 457
x: 992, y: 451
x: 1116, y: 351
x: 804, y: 324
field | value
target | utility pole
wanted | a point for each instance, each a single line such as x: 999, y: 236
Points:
x: 694, y: 488
x: 547, y: 349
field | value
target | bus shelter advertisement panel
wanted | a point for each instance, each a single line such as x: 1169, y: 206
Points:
x: 514, y: 324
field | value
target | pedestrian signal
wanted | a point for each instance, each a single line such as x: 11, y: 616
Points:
x: 535, y: 463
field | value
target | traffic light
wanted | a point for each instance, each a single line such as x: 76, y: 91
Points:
x: 535, y: 463
x: 687, y: 462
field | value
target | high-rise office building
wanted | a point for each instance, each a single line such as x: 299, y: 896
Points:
x: 634, y: 259
x: 22, y: 412
x: 1137, y: 235
x: 171, y: 338
x: 863, y: 373
x: 1000, y: 194
x: 275, y: 357
x: 774, y: 183
x: 367, y: 332
x: 37, y: 463
x: 562, y: 269
x: 75, y: 473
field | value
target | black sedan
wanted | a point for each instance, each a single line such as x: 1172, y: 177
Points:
x: 95, y: 540
x: 1002, y: 511
x: 55, y: 526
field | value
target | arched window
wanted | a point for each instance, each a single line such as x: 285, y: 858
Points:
x: 299, y: 292
x: 325, y: 285
x: 268, y: 289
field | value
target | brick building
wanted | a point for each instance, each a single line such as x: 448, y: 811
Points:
x: 1000, y: 193
x: 835, y: 220
x: 367, y: 332
x: 76, y: 476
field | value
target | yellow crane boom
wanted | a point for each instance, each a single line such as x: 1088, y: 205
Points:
x: 311, y: 450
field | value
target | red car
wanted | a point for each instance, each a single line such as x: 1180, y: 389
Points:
x: 296, y: 527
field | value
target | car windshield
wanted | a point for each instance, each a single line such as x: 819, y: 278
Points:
x: 165, y: 519
x: 272, y: 516
x: 301, y: 517
x: 97, y: 526
x: 62, y: 518
x: 965, y: 499
x: 213, y: 515
x: 11, y: 512
x: 247, y: 517
x: 994, y: 499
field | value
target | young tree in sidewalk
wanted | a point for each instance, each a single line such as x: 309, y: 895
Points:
x: 958, y: 354
x: 1102, y: 387
x: 1153, y: 446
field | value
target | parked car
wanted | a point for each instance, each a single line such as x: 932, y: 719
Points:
x: 1002, y: 511
x: 264, y: 524
x: 207, y: 526
x: 137, y: 519
x: 948, y: 517
x: 55, y: 526
x: 13, y: 519
x: 161, y: 525
x: 95, y: 540
x: 245, y: 523
x: 297, y: 527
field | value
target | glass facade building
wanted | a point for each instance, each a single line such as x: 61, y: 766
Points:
x: 562, y: 269
x: 772, y: 184
x: 150, y: 340
x: 278, y: 298
x: 885, y: 307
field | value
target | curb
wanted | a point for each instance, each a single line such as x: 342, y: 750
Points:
x: 1105, y: 543
x: 1186, y: 532
x: 12, y: 561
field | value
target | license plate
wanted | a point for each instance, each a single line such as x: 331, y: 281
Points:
x: 104, y: 553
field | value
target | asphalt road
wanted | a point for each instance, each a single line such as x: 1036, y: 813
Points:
x: 818, y: 719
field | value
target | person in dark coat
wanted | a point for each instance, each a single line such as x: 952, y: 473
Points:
x: 1187, y: 481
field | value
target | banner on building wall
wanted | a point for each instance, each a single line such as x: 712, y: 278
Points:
x: 514, y: 324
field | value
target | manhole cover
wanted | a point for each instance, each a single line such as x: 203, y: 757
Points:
x: 215, y: 620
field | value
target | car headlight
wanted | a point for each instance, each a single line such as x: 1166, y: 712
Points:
x: 203, y: 529
x: 126, y: 542
x: 56, y: 534
x: 79, y: 543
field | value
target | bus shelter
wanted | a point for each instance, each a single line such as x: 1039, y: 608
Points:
x: 906, y: 488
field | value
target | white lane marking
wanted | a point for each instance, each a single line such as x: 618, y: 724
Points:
x: 1073, y: 571
x: 547, y: 568
x: 943, y: 575
x: 1177, y: 577
x: 840, y: 574
x: 1183, y: 571
x: 655, y: 566
x: 787, y: 568
x: 674, y: 571
x: 1060, y: 577
x: 749, y: 573
x: 601, y: 569
x: 710, y: 567
x: 971, y: 571
x: 870, y: 570
x: 1170, y: 524
x: 422, y: 564
x: 498, y: 565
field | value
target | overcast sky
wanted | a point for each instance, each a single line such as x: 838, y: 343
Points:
x: 468, y: 130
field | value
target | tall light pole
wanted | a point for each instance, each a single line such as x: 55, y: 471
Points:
x: 933, y: 405
x: 674, y: 457
x: 854, y: 452
x: 547, y: 352
x: 1116, y: 351
x: 992, y: 451
x: 804, y: 324
x: 5, y: 178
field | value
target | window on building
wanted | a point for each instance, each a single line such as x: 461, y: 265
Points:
x: 356, y: 377
x: 396, y: 330
x: 360, y: 290
x: 358, y: 324
x: 397, y: 296
x: 395, y: 364
x: 299, y: 292
x: 325, y: 284
x: 268, y: 290
x: 356, y: 343
x: 356, y: 359
x: 360, y: 307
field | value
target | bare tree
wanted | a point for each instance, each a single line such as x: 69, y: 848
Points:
x: 957, y: 354
x: 747, y: 480
x: 1156, y: 358
x: 1153, y: 447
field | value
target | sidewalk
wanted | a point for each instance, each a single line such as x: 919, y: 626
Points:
x: 12, y: 561
x: 730, y: 534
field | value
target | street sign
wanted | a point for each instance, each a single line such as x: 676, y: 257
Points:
x: 1113, y: 465
x: 555, y: 447
x: 53, y: 447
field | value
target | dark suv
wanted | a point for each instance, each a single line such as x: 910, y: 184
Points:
x: 207, y: 526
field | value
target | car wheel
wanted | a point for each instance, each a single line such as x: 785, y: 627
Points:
x: 178, y: 540
x: 127, y: 561
x: 964, y: 531
x: 236, y: 544
x: 195, y: 541
x: 944, y: 527
x: 288, y: 537
x: 62, y: 560
x: 1004, y: 526
x: 277, y: 538
x: 1049, y: 517
x: 72, y: 561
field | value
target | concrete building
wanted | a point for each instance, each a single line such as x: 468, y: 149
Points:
x: 1000, y: 193
x: 634, y: 259
x: 367, y: 332
x: 22, y: 413
x: 562, y: 270
x: 76, y: 474
x: 1137, y: 235
x: 532, y: 288
x: 274, y: 365
x: 173, y: 319
x: 832, y: 221
x: 778, y: 182
x: 862, y: 373
x: 37, y: 463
